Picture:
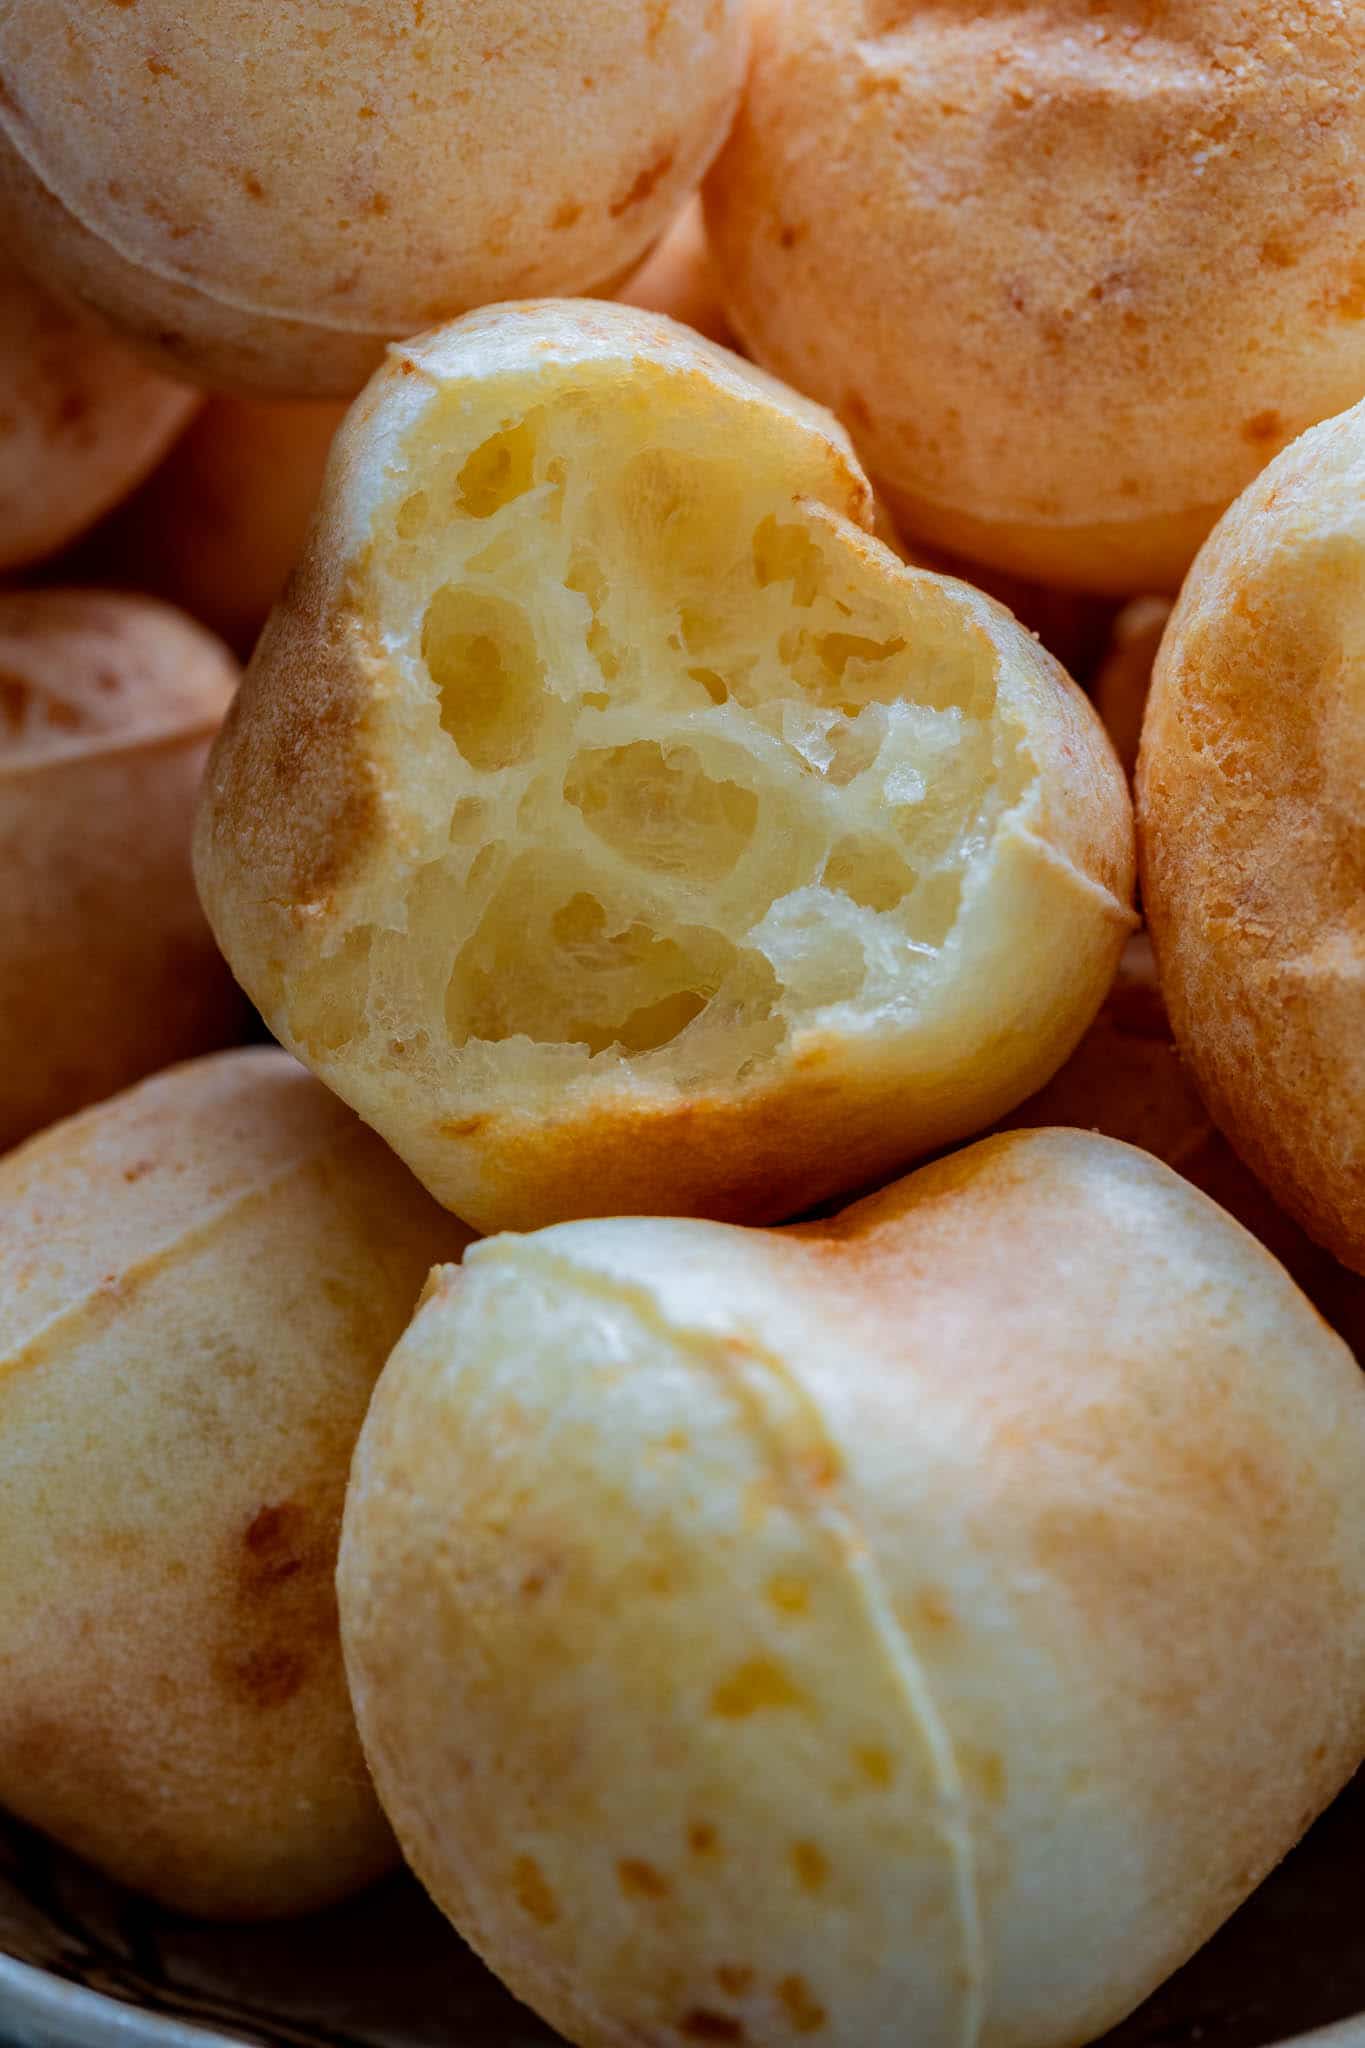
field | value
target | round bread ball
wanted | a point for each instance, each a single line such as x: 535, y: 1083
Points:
x: 107, y: 967
x: 265, y: 196
x: 199, y: 1283
x: 678, y: 277
x: 1126, y: 1079
x: 1251, y: 784
x: 1125, y: 674
x: 219, y: 527
x: 82, y: 419
x: 618, y: 825
x: 1074, y: 625
x: 926, y: 1626
x: 1071, y: 273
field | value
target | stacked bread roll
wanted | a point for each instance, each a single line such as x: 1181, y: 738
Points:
x: 756, y: 1614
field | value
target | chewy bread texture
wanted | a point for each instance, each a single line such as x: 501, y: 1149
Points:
x: 616, y: 823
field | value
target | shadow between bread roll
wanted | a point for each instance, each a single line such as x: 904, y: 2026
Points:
x: 108, y: 971
x: 82, y: 419
x: 1124, y: 677
x: 678, y: 277
x: 218, y: 527
x: 617, y: 824
x: 925, y: 1626
x: 199, y: 1283
x: 1127, y: 1080
x: 1250, y: 784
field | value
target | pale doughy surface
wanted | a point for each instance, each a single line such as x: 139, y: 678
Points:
x: 649, y: 775
x: 925, y: 1625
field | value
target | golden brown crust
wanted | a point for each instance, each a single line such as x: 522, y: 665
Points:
x: 1249, y: 790
x: 291, y: 784
x: 935, y: 1620
x: 268, y: 223
x: 1070, y: 272
x: 199, y: 1282
x: 108, y: 970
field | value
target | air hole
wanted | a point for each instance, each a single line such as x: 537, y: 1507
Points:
x: 467, y: 821
x: 674, y: 508
x: 659, y: 809
x: 483, y: 660
x: 603, y: 652
x: 656, y: 1024
x: 556, y: 475
x: 327, y: 1002
x: 586, y: 578
x: 412, y: 515
x: 932, y: 909
x: 715, y: 686
x: 563, y: 970
x: 868, y: 871
x: 579, y: 923
x: 500, y: 469
x: 853, y: 747
x: 837, y: 650
x: 787, y: 554
x: 482, y: 866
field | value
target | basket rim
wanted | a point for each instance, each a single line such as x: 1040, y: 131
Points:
x: 52, y: 2012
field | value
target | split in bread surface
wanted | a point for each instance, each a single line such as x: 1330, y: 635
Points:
x: 263, y: 196
x: 926, y: 1625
